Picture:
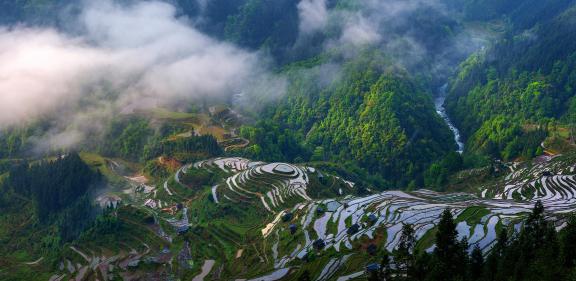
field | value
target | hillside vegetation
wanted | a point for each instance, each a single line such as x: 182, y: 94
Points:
x: 373, y: 116
x: 509, y: 98
x: 334, y: 160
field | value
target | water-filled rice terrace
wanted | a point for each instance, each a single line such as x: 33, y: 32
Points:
x: 275, y: 185
x: 553, y: 182
x: 345, y: 224
x: 296, y: 211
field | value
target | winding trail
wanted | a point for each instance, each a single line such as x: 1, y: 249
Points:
x: 244, y: 143
x: 441, y: 110
x: 206, y: 268
x: 166, y: 187
x: 84, y: 256
x: 34, y: 262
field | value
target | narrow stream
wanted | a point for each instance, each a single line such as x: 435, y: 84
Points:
x: 439, y: 104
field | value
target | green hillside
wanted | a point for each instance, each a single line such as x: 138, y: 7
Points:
x: 510, y: 97
x: 289, y: 140
x: 375, y: 117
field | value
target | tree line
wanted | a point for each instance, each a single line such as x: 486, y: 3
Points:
x: 60, y: 191
x: 538, y: 252
x: 207, y: 146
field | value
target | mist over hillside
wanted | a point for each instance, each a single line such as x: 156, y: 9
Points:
x: 287, y: 140
x: 113, y: 58
x: 113, y: 65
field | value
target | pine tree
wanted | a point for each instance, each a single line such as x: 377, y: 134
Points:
x: 404, y: 255
x: 496, y: 257
x: 535, y: 224
x: 476, y: 264
x: 423, y: 267
x: 501, y: 243
x: 535, y: 254
x: 462, y: 261
x: 548, y: 263
x: 447, y: 249
x: 521, y: 256
x: 569, y: 244
x: 385, y: 270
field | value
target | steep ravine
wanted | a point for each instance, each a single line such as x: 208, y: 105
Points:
x: 441, y: 110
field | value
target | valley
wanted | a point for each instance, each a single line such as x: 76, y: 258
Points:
x: 288, y: 140
x: 441, y: 110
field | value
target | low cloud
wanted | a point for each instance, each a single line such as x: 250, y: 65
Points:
x: 359, y: 31
x: 123, y: 58
x: 415, y: 33
x: 313, y: 15
x: 39, y: 70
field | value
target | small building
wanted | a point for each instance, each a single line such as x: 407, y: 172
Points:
x: 319, y: 244
x: 287, y: 217
x: 134, y: 263
x: 150, y: 203
x: 182, y: 229
x: 353, y: 229
x: 323, y: 180
x: 372, y: 218
x: 373, y: 267
x: 293, y: 229
x: 109, y: 201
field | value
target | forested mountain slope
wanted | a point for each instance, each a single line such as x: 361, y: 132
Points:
x: 506, y: 98
x: 374, y: 115
x: 372, y: 109
x: 287, y: 140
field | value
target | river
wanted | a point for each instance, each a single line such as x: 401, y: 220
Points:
x: 439, y: 104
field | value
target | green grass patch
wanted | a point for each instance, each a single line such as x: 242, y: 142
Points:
x: 472, y: 215
x: 162, y: 113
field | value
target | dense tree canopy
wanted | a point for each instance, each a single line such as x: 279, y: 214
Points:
x: 538, y: 252
x: 504, y: 98
x: 60, y: 190
x: 373, y: 116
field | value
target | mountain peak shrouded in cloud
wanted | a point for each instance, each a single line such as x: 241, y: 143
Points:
x: 124, y: 57
x: 412, y: 32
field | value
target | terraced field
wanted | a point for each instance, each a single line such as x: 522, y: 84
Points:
x: 259, y: 221
x: 271, y: 183
x: 344, y: 225
x: 552, y: 181
x: 256, y: 191
x: 348, y: 221
x: 275, y: 185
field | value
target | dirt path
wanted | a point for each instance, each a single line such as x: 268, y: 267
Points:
x: 547, y: 151
x: 206, y: 268
x: 34, y: 262
x: 84, y: 256
x: 167, y: 189
x: 244, y: 144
